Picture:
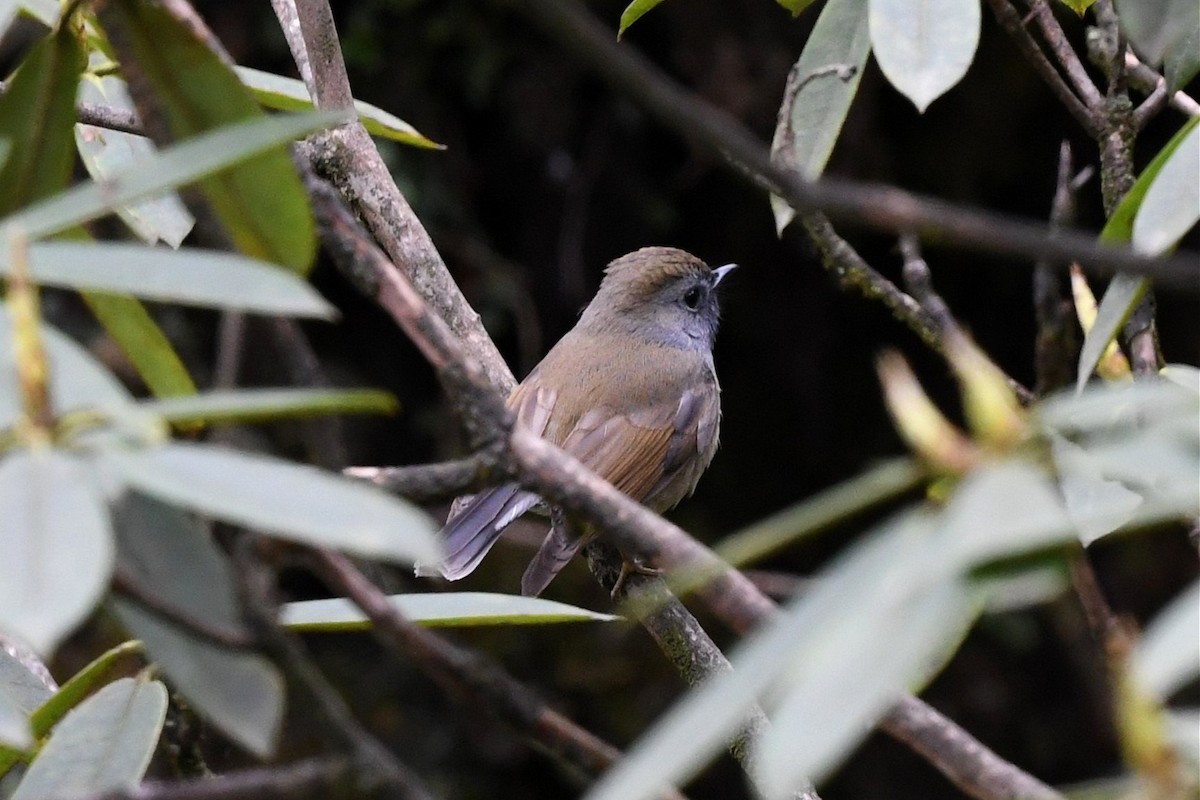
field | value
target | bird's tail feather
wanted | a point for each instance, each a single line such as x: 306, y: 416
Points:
x: 557, y: 550
x: 469, y: 536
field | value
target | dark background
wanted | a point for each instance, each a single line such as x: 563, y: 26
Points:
x: 547, y: 176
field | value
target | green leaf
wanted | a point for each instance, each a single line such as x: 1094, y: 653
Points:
x: 1122, y: 296
x: 1096, y: 505
x: 1119, y: 228
x: 191, y: 277
x: 261, y: 202
x: 57, y: 544
x: 239, y: 692
x: 76, y: 379
x: 171, y: 168
x: 815, y: 104
x: 924, y: 47
x: 633, y: 12
x: 36, y: 115
x: 102, y: 746
x: 105, y: 153
x: 1154, y: 26
x: 795, y: 6
x: 289, y: 500
x: 289, y: 94
x: 1167, y: 657
x: 1001, y: 511
x: 1172, y: 202
x: 450, y: 609
x: 254, y: 405
x: 142, y: 342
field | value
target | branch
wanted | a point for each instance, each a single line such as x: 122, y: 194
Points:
x: 1066, y: 55
x: 881, y: 207
x: 1146, y: 80
x: 313, y: 779
x: 429, y: 483
x: 468, y: 675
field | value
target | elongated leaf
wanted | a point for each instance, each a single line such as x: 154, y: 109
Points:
x: 1119, y: 228
x: 57, y: 545
x: 1096, y: 505
x: 289, y: 500
x: 633, y: 12
x: 261, y: 202
x: 14, y: 723
x: 1122, y: 296
x: 142, y: 342
x: 104, y: 745
x: 36, y: 115
x: 1154, y: 26
x: 289, y: 94
x: 1172, y: 202
x: 19, y: 685
x: 924, y: 47
x: 240, y: 692
x: 451, y: 609
x: 76, y: 379
x: 1168, y: 656
x: 106, y: 152
x: 192, y: 277
x: 252, y: 405
x: 1182, y: 60
x: 816, y: 101
x: 171, y: 168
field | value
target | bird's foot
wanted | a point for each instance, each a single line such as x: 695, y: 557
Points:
x: 631, y: 566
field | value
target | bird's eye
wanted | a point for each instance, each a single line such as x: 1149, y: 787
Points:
x: 692, y: 298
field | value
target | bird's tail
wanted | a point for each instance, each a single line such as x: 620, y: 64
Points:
x: 469, y: 536
x: 557, y: 550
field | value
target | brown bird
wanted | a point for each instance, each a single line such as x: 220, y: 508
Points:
x: 630, y: 391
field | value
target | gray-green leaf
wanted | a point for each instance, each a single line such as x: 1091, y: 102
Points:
x: 290, y: 500
x: 450, y: 609
x: 924, y: 47
x: 1172, y: 203
x: 1167, y: 657
x: 104, y: 745
x: 57, y: 545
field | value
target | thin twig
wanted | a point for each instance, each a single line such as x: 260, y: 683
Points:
x: 312, y: 779
x: 881, y: 207
x: 1146, y: 80
x: 1056, y: 39
x: 428, y: 483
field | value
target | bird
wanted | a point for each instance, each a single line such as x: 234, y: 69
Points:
x: 630, y: 391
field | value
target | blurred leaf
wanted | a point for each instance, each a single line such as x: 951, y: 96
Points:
x: 57, y: 544
x: 170, y: 168
x: 1002, y: 510
x: 1182, y: 60
x: 46, y: 12
x: 36, y: 114
x: 1154, y: 26
x: 19, y: 686
x: 1121, y: 297
x: 192, y: 277
x: 261, y: 202
x: 815, y: 105
x: 442, y: 610
x: 106, y: 152
x: 104, y: 745
x: 240, y: 692
x: 142, y: 342
x: 76, y: 379
x: 1171, y: 205
x: 289, y: 94
x: 1112, y: 365
x: 633, y: 12
x: 1167, y: 657
x: 289, y: 500
x: 1183, y: 731
x: 14, y: 723
x: 924, y: 47
x: 254, y: 405
x: 1119, y: 228
x: 1184, y: 375
x: 1097, y: 506
x: 1105, y: 408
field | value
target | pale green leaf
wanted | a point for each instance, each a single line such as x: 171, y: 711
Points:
x: 106, y: 152
x: 450, y: 609
x: 1096, y: 505
x: 289, y: 500
x: 1122, y: 296
x: 1154, y: 26
x: 1167, y: 657
x: 924, y: 47
x: 19, y: 685
x: 819, y: 91
x: 1172, y: 202
x: 633, y: 12
x: 289, y: 94
x: 102, y: 746
x: 171, y: 168
x: 240, y: 692
x: 57, y: 545
x: 191, y: 277
x: 1182, y: 60
x: 253, y: 405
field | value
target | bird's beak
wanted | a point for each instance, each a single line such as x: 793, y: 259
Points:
x: 721, y: 272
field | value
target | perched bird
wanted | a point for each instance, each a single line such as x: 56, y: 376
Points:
x: 630, y: 391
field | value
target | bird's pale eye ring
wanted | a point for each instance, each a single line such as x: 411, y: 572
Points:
x: 692, y: 298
